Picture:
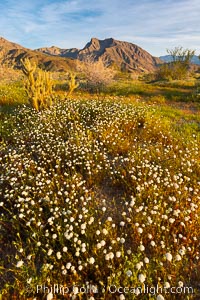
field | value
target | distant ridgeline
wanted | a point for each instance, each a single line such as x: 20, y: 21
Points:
x: 168, y: 58
x: 123, y: 55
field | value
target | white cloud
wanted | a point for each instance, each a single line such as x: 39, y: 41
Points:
x: 153, y: 24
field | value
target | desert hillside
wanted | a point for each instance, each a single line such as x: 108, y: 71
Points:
x: 124, y: 55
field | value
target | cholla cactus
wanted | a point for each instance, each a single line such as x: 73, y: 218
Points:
x: 72, y: 83
x: 39, y: 86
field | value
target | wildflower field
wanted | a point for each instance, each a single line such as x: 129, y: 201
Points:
x: 99, y: 200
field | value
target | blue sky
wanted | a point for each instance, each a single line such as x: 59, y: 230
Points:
x: 153, y: 25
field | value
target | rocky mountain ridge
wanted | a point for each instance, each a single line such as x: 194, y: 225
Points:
x: 126, y: 56
x: 123, y: 55
x: 12, y: 53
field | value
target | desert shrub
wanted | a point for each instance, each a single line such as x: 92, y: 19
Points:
x: 164, y: 72
x: 96, y: 75
x: 172, y: 71
x: 178, y: 68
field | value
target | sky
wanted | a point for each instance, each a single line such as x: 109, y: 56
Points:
x: 154, y: 25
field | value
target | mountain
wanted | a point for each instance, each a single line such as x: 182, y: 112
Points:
x: 168, y: 58
x: 6, y: 45
x: 126, y: 56
x: 56, y: 51
x: 12, y: 53
x: 123, y: 55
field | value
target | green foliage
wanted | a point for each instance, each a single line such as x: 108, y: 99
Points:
x: 38, y: 85
x: 178, y: 68
x: 164, y: 72
x: 129, y: 87
x: 159, y: 99
x: 170, y: 90
x: 196, y: 93
x: 179, y: 54
x: 12, y: 94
